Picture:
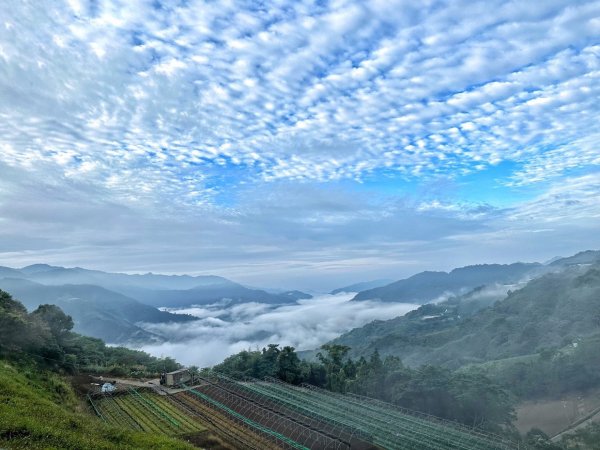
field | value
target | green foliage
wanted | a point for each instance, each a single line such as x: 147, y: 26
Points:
x: 13, y: 325
x: 552, y: 372
x: 587, y: 438
x: 337, y: 367
x: 58, y: 323
x: 288, y: 365
x: 548, y: 312
x: 45, y: 336
x: 39, y: 410
x: 467, y: 397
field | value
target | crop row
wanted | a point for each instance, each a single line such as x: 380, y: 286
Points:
x: 302, y: 427
x: 387, y: 428
x: 228, y: 427
x: 146, y: 411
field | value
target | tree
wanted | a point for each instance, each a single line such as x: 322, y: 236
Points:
x: 288, y: 365
x: 333, y: 361
x: 267, y: 365
x: 13, y: 324
x: 57, y: 321
x: 480, y: 402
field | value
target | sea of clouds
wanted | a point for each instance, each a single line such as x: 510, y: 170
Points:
x: 225, y: 330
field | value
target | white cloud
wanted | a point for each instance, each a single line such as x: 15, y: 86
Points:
x: 202, y: 132
x: 192, y: 78
x: 221, y: 332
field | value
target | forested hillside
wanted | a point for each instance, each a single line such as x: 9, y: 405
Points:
x: 38, y: 407
x: 96, y: 311
x: 553, y: 310
x: 44, y: 337
x: 428, y: 286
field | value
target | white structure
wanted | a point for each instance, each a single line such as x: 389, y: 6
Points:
x: 108, y: 387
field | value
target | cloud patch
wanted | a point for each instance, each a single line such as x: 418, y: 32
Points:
x: 221, y: 332
x: 298, y: 141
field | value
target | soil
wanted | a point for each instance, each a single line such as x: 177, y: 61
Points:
x: 555, y: 415
x: 207, y: 440
x: 83, y: 383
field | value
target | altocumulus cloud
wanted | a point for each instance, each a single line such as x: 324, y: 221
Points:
x: 340, y: 138
x: 220, y: 332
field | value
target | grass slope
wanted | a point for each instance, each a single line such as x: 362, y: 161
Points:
x: 39, y: 410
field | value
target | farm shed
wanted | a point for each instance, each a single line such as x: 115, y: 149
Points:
x: 177, y: 377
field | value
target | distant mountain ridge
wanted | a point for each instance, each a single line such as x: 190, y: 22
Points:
x: 557, y: 307
x: 585, y: 257
x: 56, y: 275
x: 96, y: 311
x: 428, y: 286
x: 362, y: 286
x: 110, y: 306
x: 174, y: 290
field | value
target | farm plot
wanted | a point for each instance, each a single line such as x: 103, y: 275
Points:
x: 268, y: 414
x: 388, y: 426
x: 145, y: 410
x: 300, y: 426
x: 316, y: 418
x: 230, y: 427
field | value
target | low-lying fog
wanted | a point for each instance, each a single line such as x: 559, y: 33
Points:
x: 223, y: 331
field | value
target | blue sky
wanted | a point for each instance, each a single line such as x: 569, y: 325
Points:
x: 298, y: 143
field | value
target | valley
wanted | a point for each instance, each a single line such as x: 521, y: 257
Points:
x: 525, y: 346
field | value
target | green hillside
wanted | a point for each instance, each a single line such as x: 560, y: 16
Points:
x: 425, y: 287
x: 551, y: 311
x: 96, y: 311
x: 39, y: 410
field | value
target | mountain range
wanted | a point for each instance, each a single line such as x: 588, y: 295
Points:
x: 114, y: 306
x: 111, y: 306
x: 557, y: 307
x: 363, y: 286
x: 428, y: 286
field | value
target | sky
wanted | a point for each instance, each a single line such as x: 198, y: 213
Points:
x: 298, y: 144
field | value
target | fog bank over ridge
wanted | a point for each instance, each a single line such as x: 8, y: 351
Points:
x: 223, y: 331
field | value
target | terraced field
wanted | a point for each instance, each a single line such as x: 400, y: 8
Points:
x: 145, y: 410
x: 318, y: 419
x: 285, y: 426
x: 269, y: 414
x: 228, y: 425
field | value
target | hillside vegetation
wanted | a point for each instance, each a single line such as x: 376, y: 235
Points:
x: 39, y: 410
x: 428, y: 286
x: 38, y: 407
x: 44, y: 337
x: 114, y: 306
x: 551, y: 311
x: 96, y: 311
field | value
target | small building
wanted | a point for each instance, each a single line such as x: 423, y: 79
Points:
x: 176, y: 378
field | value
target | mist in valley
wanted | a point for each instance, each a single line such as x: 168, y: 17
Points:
x: 223, y: 330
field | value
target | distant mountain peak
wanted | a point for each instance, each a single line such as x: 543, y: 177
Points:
x: 37, y: 268
x: 363, y: 285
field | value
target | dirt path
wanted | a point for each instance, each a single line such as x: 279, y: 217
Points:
x: 594, y: 416
x: 153, y: 383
